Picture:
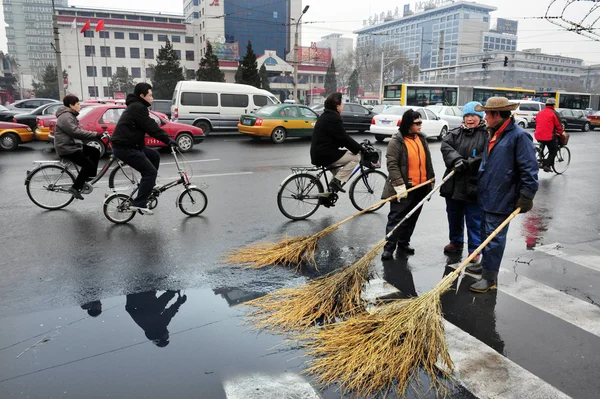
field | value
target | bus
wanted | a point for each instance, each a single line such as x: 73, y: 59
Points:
x: 482, y: 94
x: 568, y: 100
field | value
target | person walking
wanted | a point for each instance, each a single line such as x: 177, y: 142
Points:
x: 547, y: 129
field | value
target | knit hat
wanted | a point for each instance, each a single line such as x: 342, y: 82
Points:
x: 469, y: 109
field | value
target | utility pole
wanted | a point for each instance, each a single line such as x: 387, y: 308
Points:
x: 59, y: 69
x: 381, y: 79
x: 296, y: 55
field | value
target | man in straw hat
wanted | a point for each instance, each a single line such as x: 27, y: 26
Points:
x: 508, y: 179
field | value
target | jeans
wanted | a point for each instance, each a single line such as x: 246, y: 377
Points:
x: 145, y: 161
x: 88, y: 159
x: 493, y: 252
x: 398, y: 210
x: 459, y: 214
x: 552, y: 150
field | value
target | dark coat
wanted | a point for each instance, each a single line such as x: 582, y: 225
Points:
x: 460, y: 143
x: 68, y: 133
x: 509, y: 170
x: 134, y: 124
x: 328, y: 136
x: 397, y: 164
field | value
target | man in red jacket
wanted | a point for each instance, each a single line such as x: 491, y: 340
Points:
x: 547, y: 126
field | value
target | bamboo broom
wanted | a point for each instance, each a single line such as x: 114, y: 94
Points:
x: 325, y: 299
x: 293, y: 251
x: 374, y: 353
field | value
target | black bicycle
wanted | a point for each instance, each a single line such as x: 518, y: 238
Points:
x: 561, y: 161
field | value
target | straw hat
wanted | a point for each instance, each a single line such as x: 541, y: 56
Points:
x: 497, y: 104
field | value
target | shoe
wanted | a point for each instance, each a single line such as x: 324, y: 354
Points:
x: 387, y: 255
x: 143, y: 211
x: 452, y: 248
x: 476, y: 259
x: 405, y: 249
x: 75, y: 193
x: 483, y: 285
x: 475, y: 269
x: 335, y: 185
x: 547, y: 169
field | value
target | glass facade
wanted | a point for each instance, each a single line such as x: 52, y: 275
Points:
x: 263, y: 22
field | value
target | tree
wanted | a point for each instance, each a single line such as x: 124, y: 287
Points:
x: 167, y: 73
x: 247, y: 72
x: 264, y: 78
x: 208, y: 70
x: 353, y: 85
x: 121, y: 81
x: 396, y: 66
x: 47, y: 87
x: 330, y: 80
x: 345, y: 67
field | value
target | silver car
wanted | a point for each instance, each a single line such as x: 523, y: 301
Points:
x: 453, y: 115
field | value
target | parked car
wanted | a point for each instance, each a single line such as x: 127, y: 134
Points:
x: 452, y: 115
x: 386, y: 124
x: 105, y: 117
x: 574, y: 119
x: 7, y: 115
x: 528, y: 110
x: 163, y: 106
x: 380, y: 108
x: 354, y: 116
x: 30, y: 118
x: 13, y: 134
x: 594, y: 119
x: 30, y: 104
x: 279, y: 122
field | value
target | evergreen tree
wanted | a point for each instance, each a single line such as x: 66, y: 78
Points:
x: 353, y: 85
x: 247, y: 72
x: 330, y: 80
x: 209, y: 70
x: 121, y: 81
x: 167, y: 73
x: 47, y: 87
x: 264, y: 78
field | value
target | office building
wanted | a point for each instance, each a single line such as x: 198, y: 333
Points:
x: 338, y: 45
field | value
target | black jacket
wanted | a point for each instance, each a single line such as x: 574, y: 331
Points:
x: 328, y: 136
x: 134, y: 124
x: 460, y: 144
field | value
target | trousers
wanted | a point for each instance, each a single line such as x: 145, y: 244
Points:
x: 398, y: 210
x: 493, y: 252
x: 88, y: 159
x: 459, y: 214
x: 146, y: 161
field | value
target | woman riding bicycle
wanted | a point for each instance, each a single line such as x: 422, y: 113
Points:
x: 328, y: 136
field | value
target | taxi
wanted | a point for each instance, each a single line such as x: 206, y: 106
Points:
x: 279, y: 122
x: 13, y: 134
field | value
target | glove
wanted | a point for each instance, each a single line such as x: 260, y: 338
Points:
x: 460, y: 166
x: 524, y: 203
x: 172, y: 143
x: 99, y: 135
x: 401, y: 191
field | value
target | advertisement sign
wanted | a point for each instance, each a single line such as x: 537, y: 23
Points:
x: 119, y: 95
x: 314, y: 55
x: 226, y: 51
x: 507, y: 26
x: 422, y: 5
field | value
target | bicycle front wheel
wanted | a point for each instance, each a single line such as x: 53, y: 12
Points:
x: 562, y: 160
x: 47, y: 187
x: 192, y: 201
x: 124, y: 178
x: 116, y: 208
x: 298, y: 197
x: 366, y: 190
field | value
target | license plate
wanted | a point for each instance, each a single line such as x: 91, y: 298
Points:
x: 246, y: 122
x: 385, y: 122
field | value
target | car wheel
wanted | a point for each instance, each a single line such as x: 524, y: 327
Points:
x: 278, y: 136
x: 380, y: 137
x: 586, y: 127
x: 443, y: 133
x: 205, y: 126
x: 522, y: 124
x: 9, y: 141
x: 97, y: 144
x: 185, y: 142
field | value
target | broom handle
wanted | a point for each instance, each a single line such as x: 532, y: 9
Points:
x: 487, y: 241
x: 420, y: 204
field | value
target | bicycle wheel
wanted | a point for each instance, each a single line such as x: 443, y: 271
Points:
x: 192, y: 201
x: 366, y: 190
x: 298, y: 197
x: 562, y: 160
x: 124, y: 178
x: 116, y: 208
x: 47, y: 187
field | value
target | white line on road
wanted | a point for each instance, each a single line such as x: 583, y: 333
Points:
x: 268, y: 386
x: 196, y: 160
x: 589, y: 261
x: 167, y: 179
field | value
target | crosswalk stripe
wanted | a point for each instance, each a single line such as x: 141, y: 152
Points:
x: 589, y: 261
x: 260, y: 386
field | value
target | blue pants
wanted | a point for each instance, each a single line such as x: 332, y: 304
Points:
x: 145, y: 161
x: 493, y: 252
x: 459, y: 214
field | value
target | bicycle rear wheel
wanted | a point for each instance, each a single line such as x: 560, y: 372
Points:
x: 298, y: 197
x: 562, y: 160
x: 192, y: 201
x: 47, y: 187
x: 124, y: 178
x: 366, y: 190
x: 116, y: 208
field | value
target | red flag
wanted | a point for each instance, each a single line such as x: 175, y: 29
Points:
x: 100, y: 25
x: 87, y: 26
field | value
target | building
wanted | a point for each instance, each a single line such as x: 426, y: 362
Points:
x: 29, y: 35
x: 339, y: 45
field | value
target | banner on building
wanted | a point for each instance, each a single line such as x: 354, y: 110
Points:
x: 507, y: 26
x: 226, y: 51
x: 314, y: 55
x: 119, y: 95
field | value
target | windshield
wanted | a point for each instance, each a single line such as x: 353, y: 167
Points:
x: 84, y: 112
x: 395, y: 111
x: 274, y: 100
x: 266, y: 110
x: 436, y: 110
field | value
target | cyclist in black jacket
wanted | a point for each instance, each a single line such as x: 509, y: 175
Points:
x: 128, y: 143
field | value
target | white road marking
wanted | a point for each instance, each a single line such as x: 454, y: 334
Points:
x: 589, y: 261
x: 196, y: 160
x: 269, y: 386
x: 167, y: 179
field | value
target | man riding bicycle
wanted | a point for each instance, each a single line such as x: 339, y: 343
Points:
x: 547, y: 127
x: 128, y: 143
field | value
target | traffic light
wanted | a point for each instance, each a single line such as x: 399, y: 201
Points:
x: 505, y: 61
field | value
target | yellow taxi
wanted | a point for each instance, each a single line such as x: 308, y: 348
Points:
x: 13, y: 134
x: 279, y: 122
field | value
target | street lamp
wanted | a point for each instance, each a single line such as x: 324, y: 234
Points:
x: 296, y: 54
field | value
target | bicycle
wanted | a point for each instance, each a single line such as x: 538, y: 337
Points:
x: 561, y: 161
x: 47, y: 184
x: 192, y: 201
x: 304, y: 189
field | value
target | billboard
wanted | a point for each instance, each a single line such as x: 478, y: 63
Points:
x: 226, y: 51
x: 314, y: 55
x: 507, y: 26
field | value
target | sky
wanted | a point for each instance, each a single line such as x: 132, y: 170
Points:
x: 345, y: 16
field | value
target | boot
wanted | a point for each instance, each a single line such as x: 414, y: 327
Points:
x: 335, y: 185
x: 388, y: 251
x: 405, y: 249
x: 75, y: 193
x: 475, y: 269
x: 452, y: 248
x: 483, y: 285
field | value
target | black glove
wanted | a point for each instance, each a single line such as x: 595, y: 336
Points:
x: 460, y: 166
x: 524, y: 203
x: 99, y: 135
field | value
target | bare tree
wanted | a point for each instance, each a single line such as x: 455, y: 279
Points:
x: 396, y: 66
x: 345, y: 66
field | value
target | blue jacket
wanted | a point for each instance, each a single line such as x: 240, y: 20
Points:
x: 509, y: 170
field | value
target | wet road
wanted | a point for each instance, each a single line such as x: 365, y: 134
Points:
x: 169, y: 322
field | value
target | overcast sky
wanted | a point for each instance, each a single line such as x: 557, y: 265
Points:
x: 345, y: 16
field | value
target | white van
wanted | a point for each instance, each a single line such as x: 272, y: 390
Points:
x: 216, y: 106
x: 528, y: 110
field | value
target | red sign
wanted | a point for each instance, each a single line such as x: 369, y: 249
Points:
x: 314, y: 55
x: 215, y: 3
x: 119, y: 95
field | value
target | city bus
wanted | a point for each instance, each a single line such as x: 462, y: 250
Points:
x: 566, y: 99
x: 481, y: 94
